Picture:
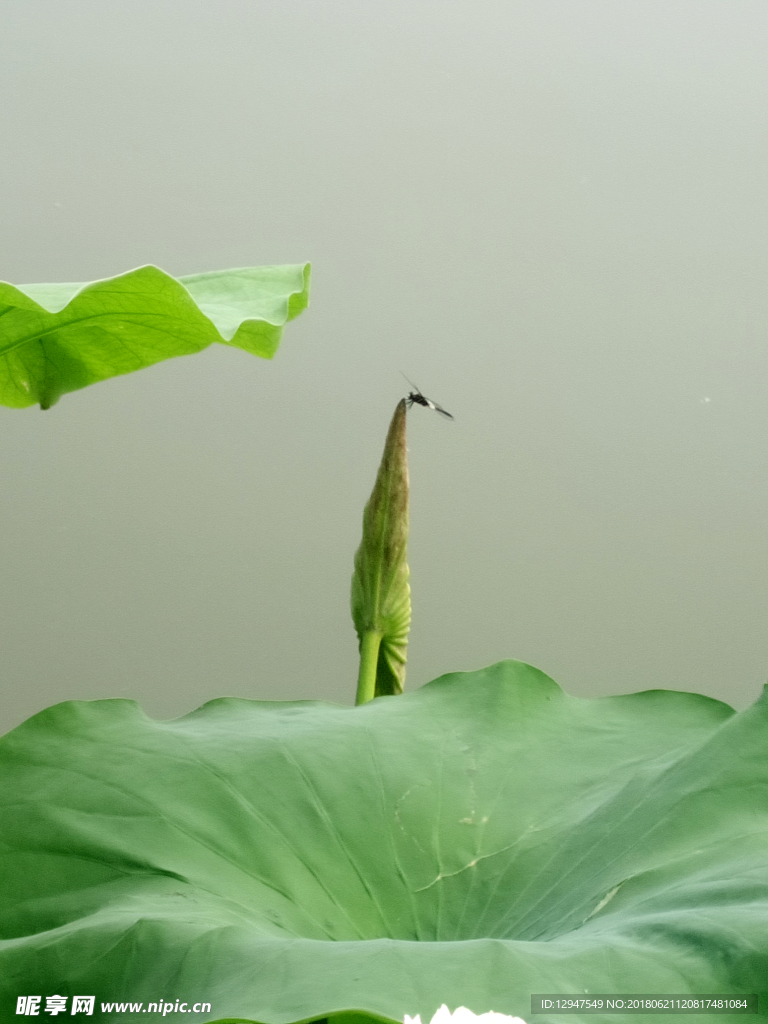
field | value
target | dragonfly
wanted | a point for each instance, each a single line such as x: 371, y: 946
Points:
x: 416, y: 398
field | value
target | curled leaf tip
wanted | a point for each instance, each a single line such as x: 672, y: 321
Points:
x: 381, y: 596
x: 58, y: 338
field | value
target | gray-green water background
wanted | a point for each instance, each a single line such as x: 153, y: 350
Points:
x: 551, y: 215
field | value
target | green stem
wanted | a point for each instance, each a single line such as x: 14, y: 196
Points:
x: 369, y: 657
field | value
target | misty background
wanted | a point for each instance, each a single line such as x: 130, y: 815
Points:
x: 551, y: 215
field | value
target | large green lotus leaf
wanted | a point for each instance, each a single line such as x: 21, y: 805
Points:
x: 473, y: 842
x: 56, y: 338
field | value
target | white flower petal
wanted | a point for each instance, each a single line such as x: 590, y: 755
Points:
x: 499, y: 1018
x: 442, y: 1016
x: 464, y: 1016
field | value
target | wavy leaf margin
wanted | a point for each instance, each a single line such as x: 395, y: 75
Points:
x: 57, y: 338
x: 475, y: 841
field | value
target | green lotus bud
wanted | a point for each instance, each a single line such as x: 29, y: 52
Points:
x: 381, y: 597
